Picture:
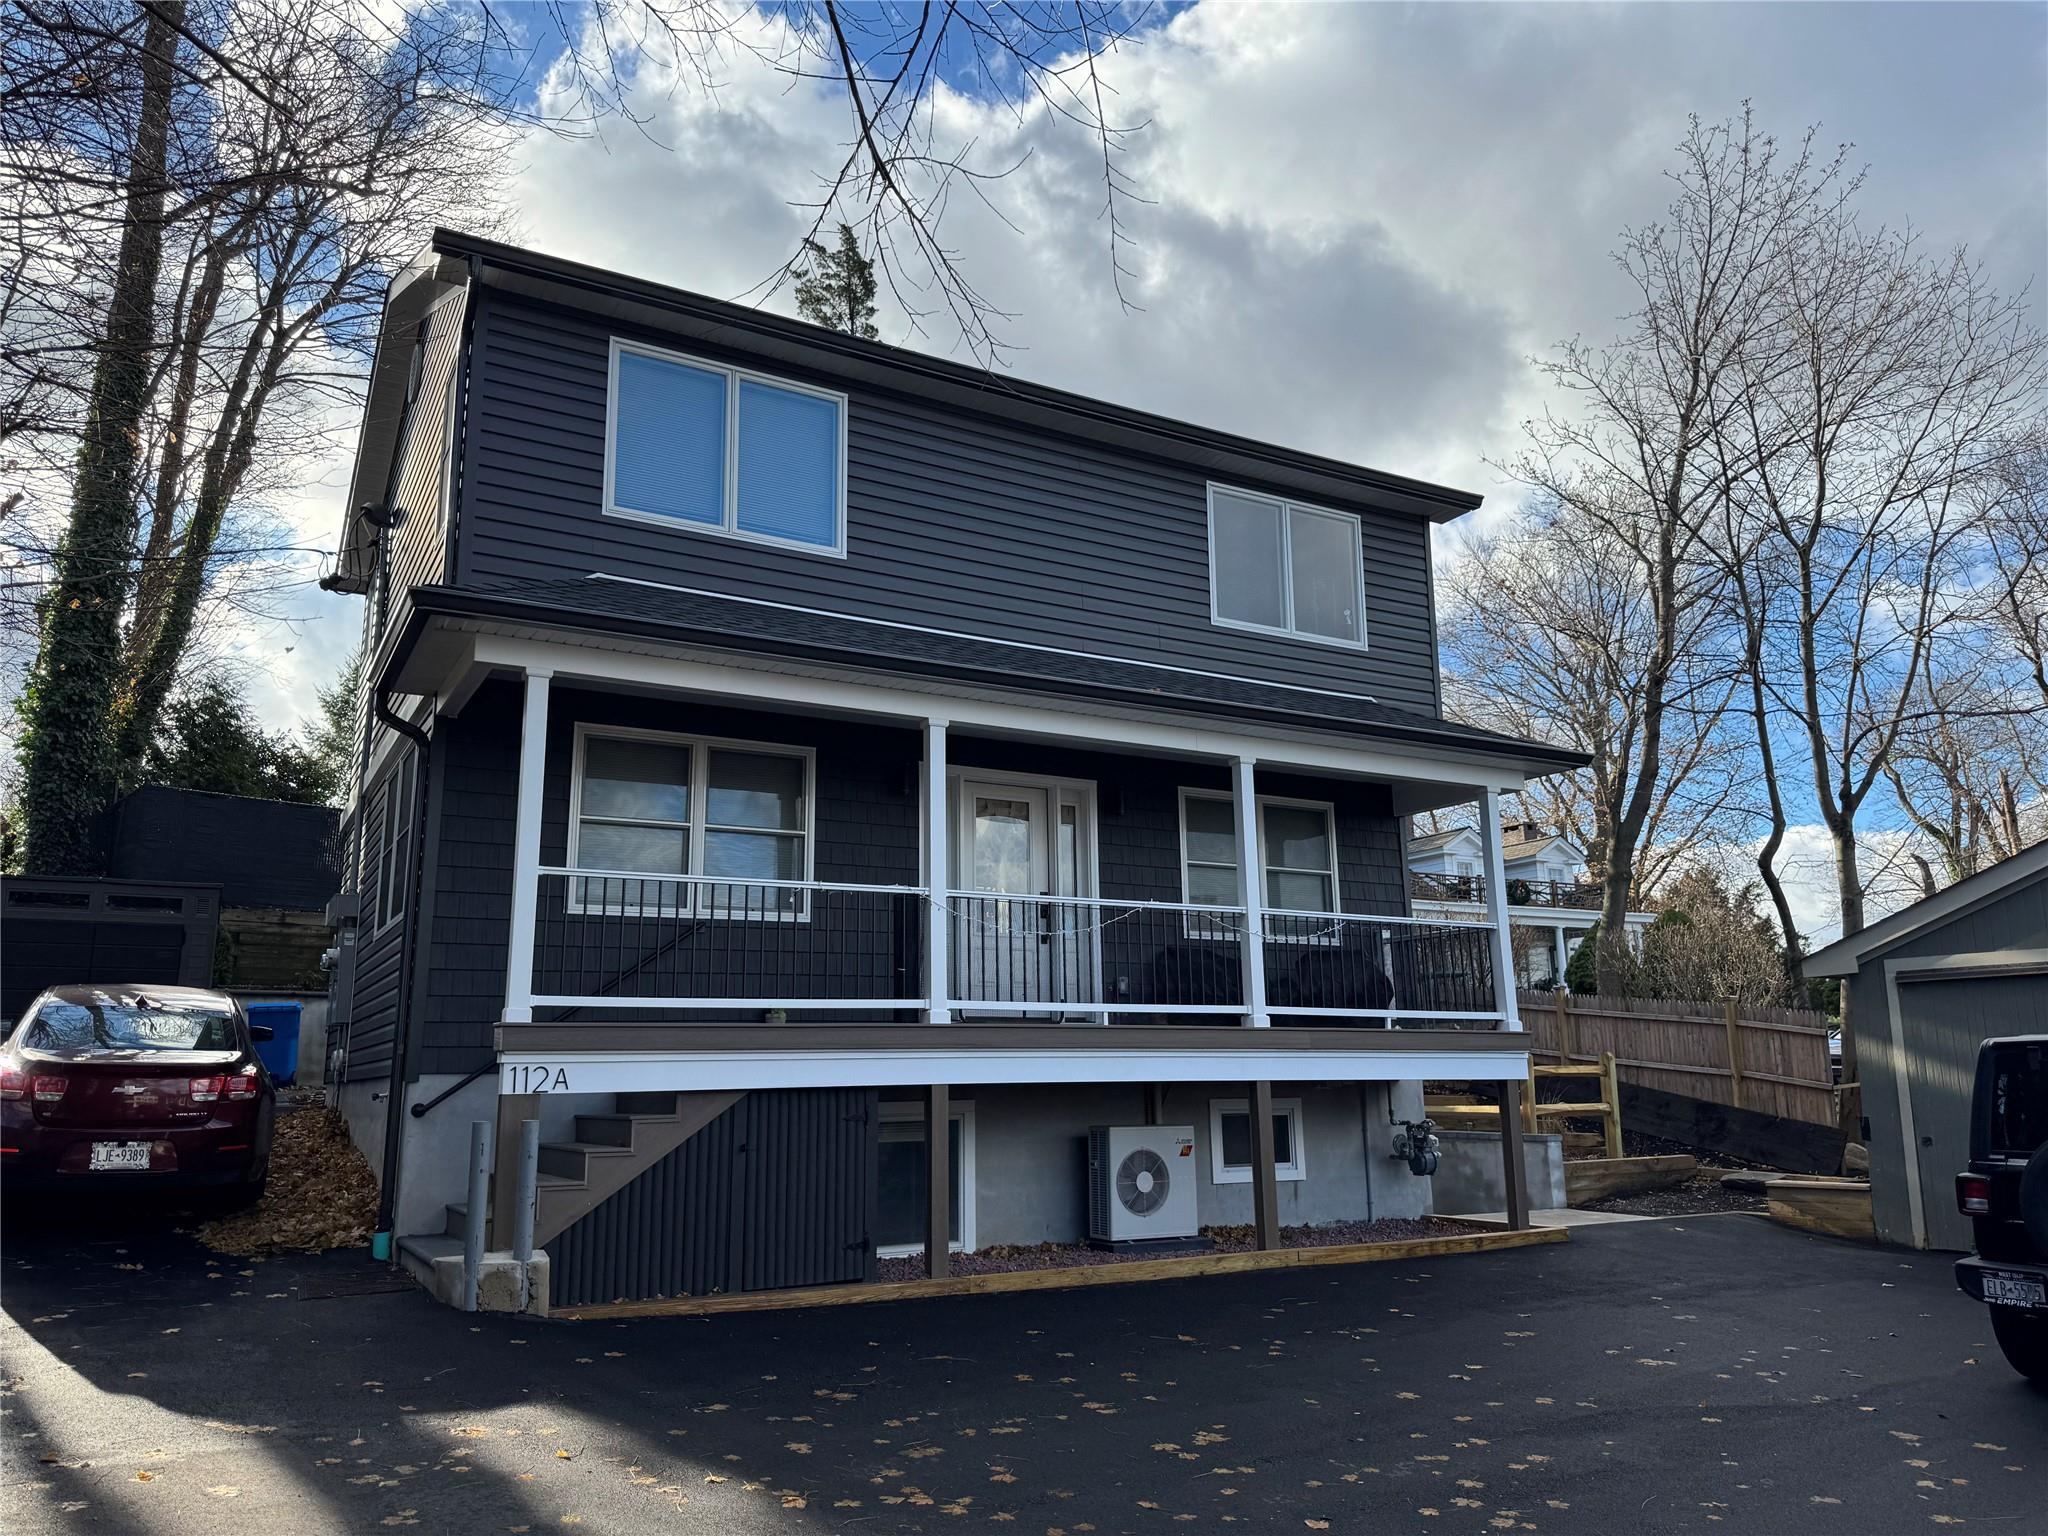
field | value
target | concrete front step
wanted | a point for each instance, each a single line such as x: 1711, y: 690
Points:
x: 503, y: 1283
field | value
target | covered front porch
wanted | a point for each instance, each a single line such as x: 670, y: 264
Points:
x: 707, y: 845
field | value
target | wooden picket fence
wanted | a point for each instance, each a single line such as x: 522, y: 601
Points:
x: 1771, y: 1060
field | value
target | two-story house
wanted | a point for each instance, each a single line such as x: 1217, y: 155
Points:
x: 822, y: 782
x: 1551, y: 907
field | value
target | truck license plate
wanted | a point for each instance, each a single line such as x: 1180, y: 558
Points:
x: 119, y: 1154
x: 2015, y: 1290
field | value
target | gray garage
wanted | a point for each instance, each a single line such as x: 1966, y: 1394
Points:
x: 1925, y: 986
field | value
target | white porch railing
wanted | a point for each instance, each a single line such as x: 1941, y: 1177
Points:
x: 613, y: 939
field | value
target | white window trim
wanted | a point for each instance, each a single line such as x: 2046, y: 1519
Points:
x: 729, y: 526
x: 701, y: 748
x: 961, y: 1110
x: 1357, y: 527
x: 1224, y: 1173
x: 1334, y: 873
x: 396, y: 843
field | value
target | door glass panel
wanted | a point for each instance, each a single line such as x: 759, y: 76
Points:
x: 1325, y: 555
x: 1069, y: 852
x: 1247, y: 561
x: 1002, y: 845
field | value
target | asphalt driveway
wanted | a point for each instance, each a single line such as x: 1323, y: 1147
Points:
x: 1695, y: 1374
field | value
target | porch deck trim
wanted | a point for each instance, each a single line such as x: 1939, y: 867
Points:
x: 664, y: 1037
x: 1136, y: 1271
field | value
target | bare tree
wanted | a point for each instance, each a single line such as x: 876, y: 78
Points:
x: 203, y: 200
x: 1546, y: 632
x: 1633, y: 455
x: 1892, y: 384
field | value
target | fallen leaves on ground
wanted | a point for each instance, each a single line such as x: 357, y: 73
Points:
x: 320, y: 1195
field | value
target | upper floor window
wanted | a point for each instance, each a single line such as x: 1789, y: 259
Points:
x: 696, y: 445
x: 1280, y: 566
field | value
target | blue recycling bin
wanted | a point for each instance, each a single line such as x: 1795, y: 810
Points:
x: 280, y: 1052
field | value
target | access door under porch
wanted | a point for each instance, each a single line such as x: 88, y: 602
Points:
x: 1020, y: 894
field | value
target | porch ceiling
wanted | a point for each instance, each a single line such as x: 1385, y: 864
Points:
x: 1428, y: 764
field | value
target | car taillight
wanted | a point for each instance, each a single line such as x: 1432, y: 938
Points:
x: 1973, y: 1194
x: 205, y: 1090
x: 13, y: 1084
x: 48, y: 1090
x: 242, y: 1085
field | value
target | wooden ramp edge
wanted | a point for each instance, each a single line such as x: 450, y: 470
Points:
x: 1128, y: 1273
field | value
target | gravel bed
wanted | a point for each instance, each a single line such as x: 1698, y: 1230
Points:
x: 1005, y: 1259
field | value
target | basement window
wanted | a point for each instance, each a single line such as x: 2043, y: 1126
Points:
x: 901, y: 1181
x: 1230, y: 1141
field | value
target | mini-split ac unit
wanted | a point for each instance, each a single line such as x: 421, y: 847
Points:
x: 1141, y: 1182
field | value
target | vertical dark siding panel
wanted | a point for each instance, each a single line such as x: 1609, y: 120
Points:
x: 953, y: 521
x: 779, y: 1191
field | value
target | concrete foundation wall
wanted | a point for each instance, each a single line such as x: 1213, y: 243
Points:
x: 1470, y: 1177
x: 1031, y: 1156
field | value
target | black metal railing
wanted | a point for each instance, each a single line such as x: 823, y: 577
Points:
x: 1356, y: 964
x: 1038, y: 953
x: 1521, y: 893
x: 615, y: 937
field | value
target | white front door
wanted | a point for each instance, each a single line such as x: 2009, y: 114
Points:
x: 1014, y: 941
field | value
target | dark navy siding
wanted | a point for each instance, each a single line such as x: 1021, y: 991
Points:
x: 380, y: 955
x: 777, y: 1192
x: 954, y: 521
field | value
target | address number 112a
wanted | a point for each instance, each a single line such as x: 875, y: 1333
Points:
x: 522, y: 1077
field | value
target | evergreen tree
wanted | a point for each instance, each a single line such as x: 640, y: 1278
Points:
x: 837, y: 288
x: 333, y: 739
x: 209, y: 741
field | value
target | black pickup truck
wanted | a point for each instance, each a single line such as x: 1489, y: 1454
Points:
x: 2005, y: 1194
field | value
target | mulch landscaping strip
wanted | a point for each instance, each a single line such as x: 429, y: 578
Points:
x: 1133, y: 1271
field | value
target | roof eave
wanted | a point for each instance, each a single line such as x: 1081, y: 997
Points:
x: 1222, y: 454
x: 428, y: 602
x: 1845, y: 956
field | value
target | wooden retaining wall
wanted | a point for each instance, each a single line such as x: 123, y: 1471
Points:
x: 1770, y: 1060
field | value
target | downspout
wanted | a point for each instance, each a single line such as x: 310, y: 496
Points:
x: 394, y: 1098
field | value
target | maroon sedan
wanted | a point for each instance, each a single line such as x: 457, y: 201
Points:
x: 137, y: 1087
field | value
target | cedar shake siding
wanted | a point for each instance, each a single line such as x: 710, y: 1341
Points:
x: 954, y: 521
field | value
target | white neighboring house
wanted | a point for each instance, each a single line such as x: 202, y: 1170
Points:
x: 1551, y: 906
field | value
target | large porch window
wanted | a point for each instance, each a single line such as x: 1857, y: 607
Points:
x: 1297, y: 849
x: 729, y: 813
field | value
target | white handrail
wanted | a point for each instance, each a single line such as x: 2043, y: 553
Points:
x: 784, y: 885
x: 1102, y: 901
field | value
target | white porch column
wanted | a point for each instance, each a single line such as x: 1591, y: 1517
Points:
x: 938, y: 873
x: 1563, y: 949
x: 533, y: 757
x: 1251, y: 869
x: 1494, y: 873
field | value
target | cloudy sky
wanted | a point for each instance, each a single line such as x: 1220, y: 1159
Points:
x: 1361, y: 221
